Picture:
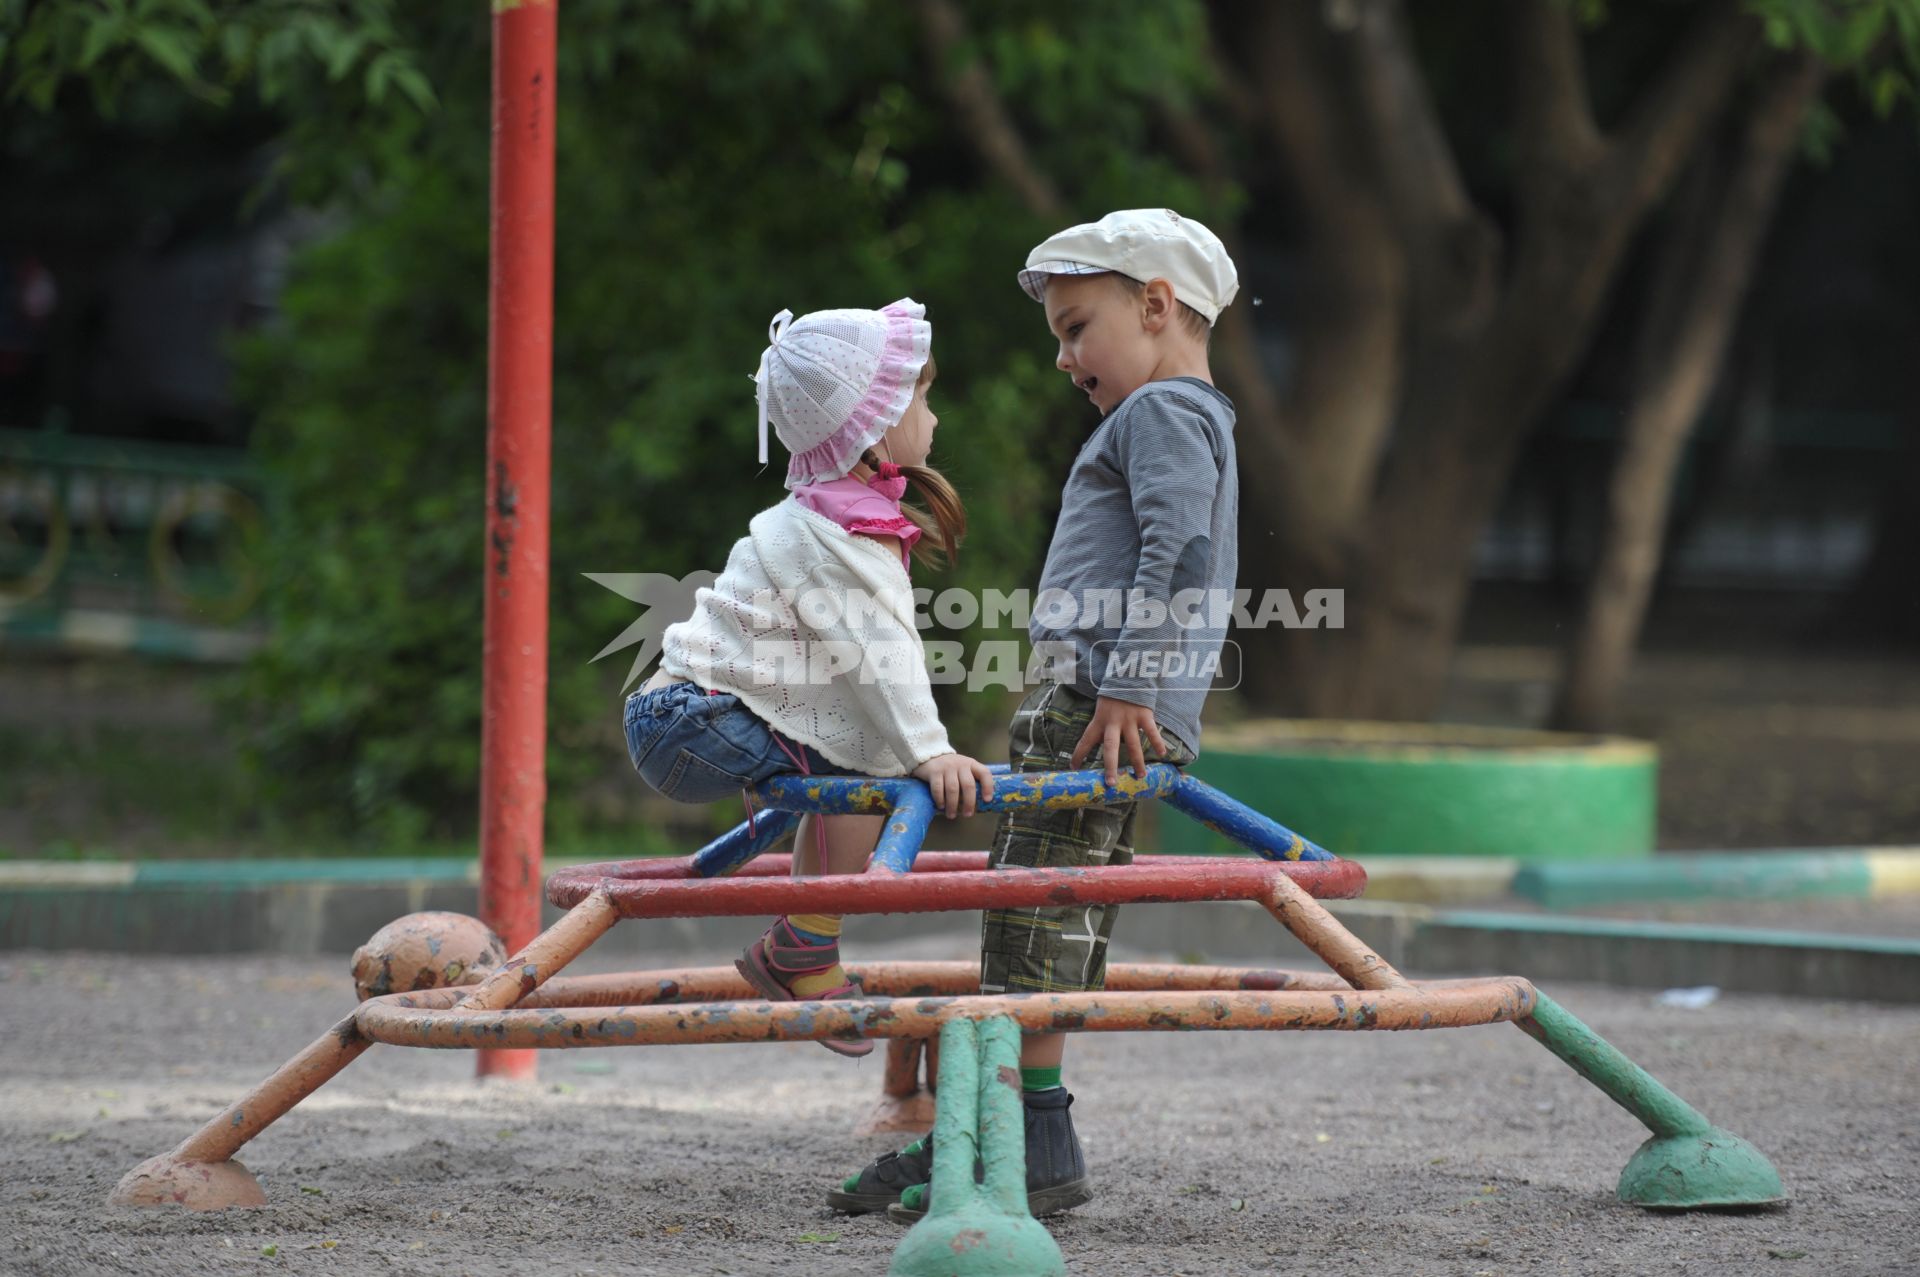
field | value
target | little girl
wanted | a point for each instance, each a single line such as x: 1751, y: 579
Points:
x: 770, y: 674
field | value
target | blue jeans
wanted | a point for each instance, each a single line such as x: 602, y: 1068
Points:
x: 698, y: 748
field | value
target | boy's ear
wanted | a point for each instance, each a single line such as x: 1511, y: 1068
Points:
x: 1157, y: 303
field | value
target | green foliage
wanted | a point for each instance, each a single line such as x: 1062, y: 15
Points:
x: 1843, y: 33
x: 277, y: 46
x: 712, y: 170
x: 719, y: 160
x: 164, y: 101
x: 1874, y: 42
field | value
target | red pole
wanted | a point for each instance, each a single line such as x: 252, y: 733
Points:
x: 513, y: 731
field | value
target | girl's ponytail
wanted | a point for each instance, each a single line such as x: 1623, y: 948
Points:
x: 943, y: 524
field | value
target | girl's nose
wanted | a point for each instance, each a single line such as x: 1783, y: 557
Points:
x: 1061, y: 361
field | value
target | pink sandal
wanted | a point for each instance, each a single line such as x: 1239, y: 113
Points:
x: 777, y: 958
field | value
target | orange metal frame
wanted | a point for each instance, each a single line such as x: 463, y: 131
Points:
x: 522, y: 1006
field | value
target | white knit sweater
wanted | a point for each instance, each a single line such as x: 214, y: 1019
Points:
x: 776, y: 630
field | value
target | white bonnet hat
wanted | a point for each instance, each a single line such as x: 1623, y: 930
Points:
x: 833, y: 381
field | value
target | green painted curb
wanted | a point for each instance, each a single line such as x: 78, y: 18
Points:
x: 1761, y: 877
x: 1853, y: 872
x: 1361, y: 789
x: 96, y: 905
x: 1631, y: 954
x: 186, y: 873
x: 1633, y: 929
x: 1778, y: 875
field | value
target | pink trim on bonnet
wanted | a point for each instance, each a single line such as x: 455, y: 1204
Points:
x: 834, y: 457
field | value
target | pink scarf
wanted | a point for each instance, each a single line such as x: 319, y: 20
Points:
x: 870, y: 506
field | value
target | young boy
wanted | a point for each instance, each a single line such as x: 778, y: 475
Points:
x: 1148, y: 515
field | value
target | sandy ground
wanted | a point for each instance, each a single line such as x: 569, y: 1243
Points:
x: 1463, y: 1152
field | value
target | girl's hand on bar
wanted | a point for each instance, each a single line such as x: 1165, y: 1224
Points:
x: 952, y: 778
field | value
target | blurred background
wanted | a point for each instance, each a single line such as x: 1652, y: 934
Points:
x: 1576, y: 343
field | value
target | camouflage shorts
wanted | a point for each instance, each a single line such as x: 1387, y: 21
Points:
x: 1051, y: 949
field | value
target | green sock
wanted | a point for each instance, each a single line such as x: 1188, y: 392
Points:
x: 1039, y: 1079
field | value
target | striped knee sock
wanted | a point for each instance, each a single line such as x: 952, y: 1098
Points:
x: 815, y: 928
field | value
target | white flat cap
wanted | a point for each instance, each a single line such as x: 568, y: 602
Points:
x: 1142, y: 244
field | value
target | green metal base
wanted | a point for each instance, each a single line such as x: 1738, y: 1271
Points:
x: 978, y: 1243
x: 1689, y: 1164
x: 979, y: 1230
x: 1717, y: 1169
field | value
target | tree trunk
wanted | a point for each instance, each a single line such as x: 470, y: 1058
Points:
x: 1439, y: 488
x: 990, y: 128
x: 1309, y: 450
x: 1410, y: 323
x: 1476, y: 385
x: 1701, y: 279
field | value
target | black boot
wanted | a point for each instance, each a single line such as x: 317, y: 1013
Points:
x: 1056, y: 1169
x: 879, y: 1184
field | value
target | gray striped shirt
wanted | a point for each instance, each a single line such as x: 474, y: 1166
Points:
x: 1150, y: 510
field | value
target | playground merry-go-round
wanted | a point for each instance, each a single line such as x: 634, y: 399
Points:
x: 932, y: 1010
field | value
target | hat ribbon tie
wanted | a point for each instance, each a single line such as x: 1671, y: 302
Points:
x: 775, y: 331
